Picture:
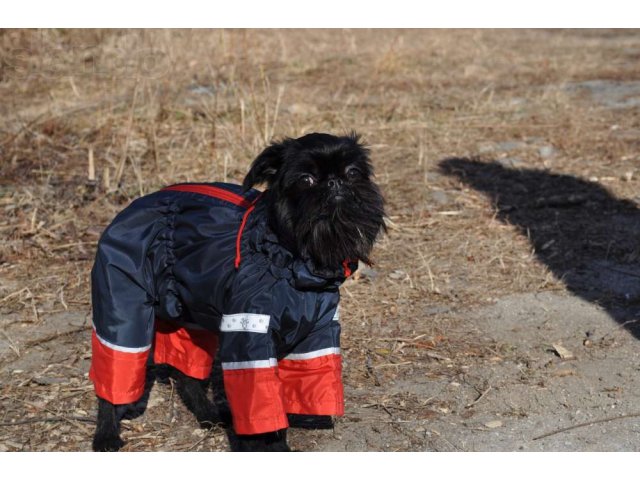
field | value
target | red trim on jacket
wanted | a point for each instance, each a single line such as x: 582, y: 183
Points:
x: 347, y: 270
x: 211, y: 191
x: 117, y: 376
x: 189, y: 350
x: 313, y: 386
x: 241, y: 229
x: 222, y: 194
x: 255, y: 397
x: 260, y: 398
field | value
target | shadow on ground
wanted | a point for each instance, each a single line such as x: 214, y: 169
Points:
x: 588, y: 238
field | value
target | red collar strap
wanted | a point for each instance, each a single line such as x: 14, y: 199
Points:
x: 347, y: 269
x: 241, y: 229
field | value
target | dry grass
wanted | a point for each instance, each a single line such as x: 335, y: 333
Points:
x: 91, y: 119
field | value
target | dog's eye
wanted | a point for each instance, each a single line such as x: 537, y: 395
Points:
x: 353, y: 173
x: 307, y: 181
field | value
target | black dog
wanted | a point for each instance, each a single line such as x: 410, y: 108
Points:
x: 197, y: 267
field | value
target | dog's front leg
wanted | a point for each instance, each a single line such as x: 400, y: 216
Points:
x: 262, y: 442
x: 107, y: 436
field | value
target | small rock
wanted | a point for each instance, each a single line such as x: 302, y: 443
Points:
x: 547, y: 151
x: 493, y: 424
x: 436, y: 310
x: 486, y: 148
x: 511, y: 162
x: 439, y: 197
x: 364, y: 271
x: 517, y: 101
x: 510, y: 145
x: 301, y: 109
x: 208, y: 90
x: 397, y: 274
x: 562, y: 352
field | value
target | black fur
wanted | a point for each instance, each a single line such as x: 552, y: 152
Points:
x: 263, y: 442
x: 322, y: 206
x: 310, y: 422
x: 193, y: 393
x: 335, y: 219
x: 107, y: 436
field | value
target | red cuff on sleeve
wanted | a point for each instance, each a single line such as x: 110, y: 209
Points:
x: 255, y: 399
x: 313, y: 386
x: 117, y: 376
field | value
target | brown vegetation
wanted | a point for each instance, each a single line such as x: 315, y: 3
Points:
x: 90, y: 120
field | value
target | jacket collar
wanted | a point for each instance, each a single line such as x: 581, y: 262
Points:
x: 301, y: 272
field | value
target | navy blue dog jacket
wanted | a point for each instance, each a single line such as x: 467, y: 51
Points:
x: 193, y: 268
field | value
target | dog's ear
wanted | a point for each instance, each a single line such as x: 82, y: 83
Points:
x: 266, y: 165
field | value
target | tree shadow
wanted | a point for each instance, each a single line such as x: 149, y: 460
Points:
x: 589, y: 239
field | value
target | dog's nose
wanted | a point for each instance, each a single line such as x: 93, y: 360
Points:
x: 334, y: 183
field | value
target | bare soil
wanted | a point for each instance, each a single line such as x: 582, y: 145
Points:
x: 501, y: 313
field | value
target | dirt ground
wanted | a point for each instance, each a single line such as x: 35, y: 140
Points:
x: 501, y: 312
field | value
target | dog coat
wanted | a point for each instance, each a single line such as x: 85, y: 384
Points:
x: 194, y: 268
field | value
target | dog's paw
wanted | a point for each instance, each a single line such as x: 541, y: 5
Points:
x: 243, y: 445
x: 263, y: 442
x: 209, y: 416
x: 223, y: 416
x: 107, y: 443
x: 310, y: 422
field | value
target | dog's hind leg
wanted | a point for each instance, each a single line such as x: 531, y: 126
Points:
x: 107, y: 436
x: 189, y: 353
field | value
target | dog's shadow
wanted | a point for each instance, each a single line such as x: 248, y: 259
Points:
x: 589, y: 239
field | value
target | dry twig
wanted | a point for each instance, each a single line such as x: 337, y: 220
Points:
x: 586, y: 424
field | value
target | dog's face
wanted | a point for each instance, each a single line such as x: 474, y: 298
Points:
x: 323, y: 203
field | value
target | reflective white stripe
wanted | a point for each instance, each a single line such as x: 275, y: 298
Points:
x: 119, y: 348
x: 315, y: 354
x: 336, y: 316
x: 245, y: 322
x: 272, y: 362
